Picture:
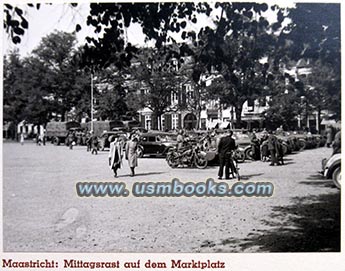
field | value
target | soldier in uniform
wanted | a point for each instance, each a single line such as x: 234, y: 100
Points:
x: 273, y: 149
x: 225, y: 147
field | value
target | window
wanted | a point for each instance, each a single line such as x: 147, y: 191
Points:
x: 148, y: 122
x: 152, y: 139
x: 174, y: 98
x: 163, y: 122
x: 189, y: 91
x: 174, y: 121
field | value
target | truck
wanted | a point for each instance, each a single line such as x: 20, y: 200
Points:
x: 102, y: 126
x: 57, y: 131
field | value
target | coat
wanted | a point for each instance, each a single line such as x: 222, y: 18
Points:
x: 329, y: 134
x: 115, y: 154
x: 272, y: 143
x: 226, y: 145
x: 131, y: 153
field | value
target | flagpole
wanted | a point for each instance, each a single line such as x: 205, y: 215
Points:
x: 91, y: 102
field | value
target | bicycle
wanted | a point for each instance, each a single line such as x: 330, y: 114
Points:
x: 234, y: 166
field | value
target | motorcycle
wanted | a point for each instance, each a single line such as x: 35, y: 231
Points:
x: 190, y: 156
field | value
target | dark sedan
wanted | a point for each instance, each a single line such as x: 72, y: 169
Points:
x: 156, y: 143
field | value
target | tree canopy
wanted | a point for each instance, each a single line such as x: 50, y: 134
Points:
x: 246, y: 53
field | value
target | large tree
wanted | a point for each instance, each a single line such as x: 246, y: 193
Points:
x: 60, y: 72
x: 155, y: 78
x: 14, y: 88
x: 236, y: 50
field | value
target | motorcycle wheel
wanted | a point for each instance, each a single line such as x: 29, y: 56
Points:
x: 172, y: 162
x: 201, y: 162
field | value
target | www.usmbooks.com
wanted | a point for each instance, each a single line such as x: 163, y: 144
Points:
x: 175, y: 188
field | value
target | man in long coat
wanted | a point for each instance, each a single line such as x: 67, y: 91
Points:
x: 115, y: 154
x: 273, y: 148
x: 131, y: 153
x: 225, y: 147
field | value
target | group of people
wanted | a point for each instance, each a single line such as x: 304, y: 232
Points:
x: 92, y: 143
x: 268, y: 145
x: 227, y: 145
x: 117, y: 151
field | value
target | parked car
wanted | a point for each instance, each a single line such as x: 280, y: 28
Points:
x: 331, y: 169
x: 104, y: 142
x: 156, y: 143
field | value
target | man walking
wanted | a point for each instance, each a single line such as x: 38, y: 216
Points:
x: 131, y: 153
x: 115, y: 154
x: 225, y: 147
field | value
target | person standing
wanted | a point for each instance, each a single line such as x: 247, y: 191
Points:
x: 180, y: 140
x: 255, y: 146
x: 88, y: 141
x: 94, y: 144
x: 225, y: 147
x: 22, y: 138
x: 44, y: 137
x: 70, y: 140
x: 115, y: 154
x: 329, y: 135
x: 337, y: 143
x: 273, y: 148
x: 131, y: 153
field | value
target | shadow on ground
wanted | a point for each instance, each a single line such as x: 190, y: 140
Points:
x: 310, y: 224
x: 248, y: 176
x: 318, y: 180
x: 142, y: 174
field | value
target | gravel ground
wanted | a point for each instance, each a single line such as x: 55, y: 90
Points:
x: 42, y: 212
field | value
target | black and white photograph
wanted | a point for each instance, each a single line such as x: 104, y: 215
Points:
x: 171, y: 127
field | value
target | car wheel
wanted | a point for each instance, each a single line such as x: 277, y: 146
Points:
x: 302, y: 145
x: 336, y: 177
x: 248, y: 154
x: 140, y: 151
x: 101, y: 145
x: 56, y: 141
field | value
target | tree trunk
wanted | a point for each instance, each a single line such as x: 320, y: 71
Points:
x: 319, y: 120
x: 238, y: 112
x: 63, y: 115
